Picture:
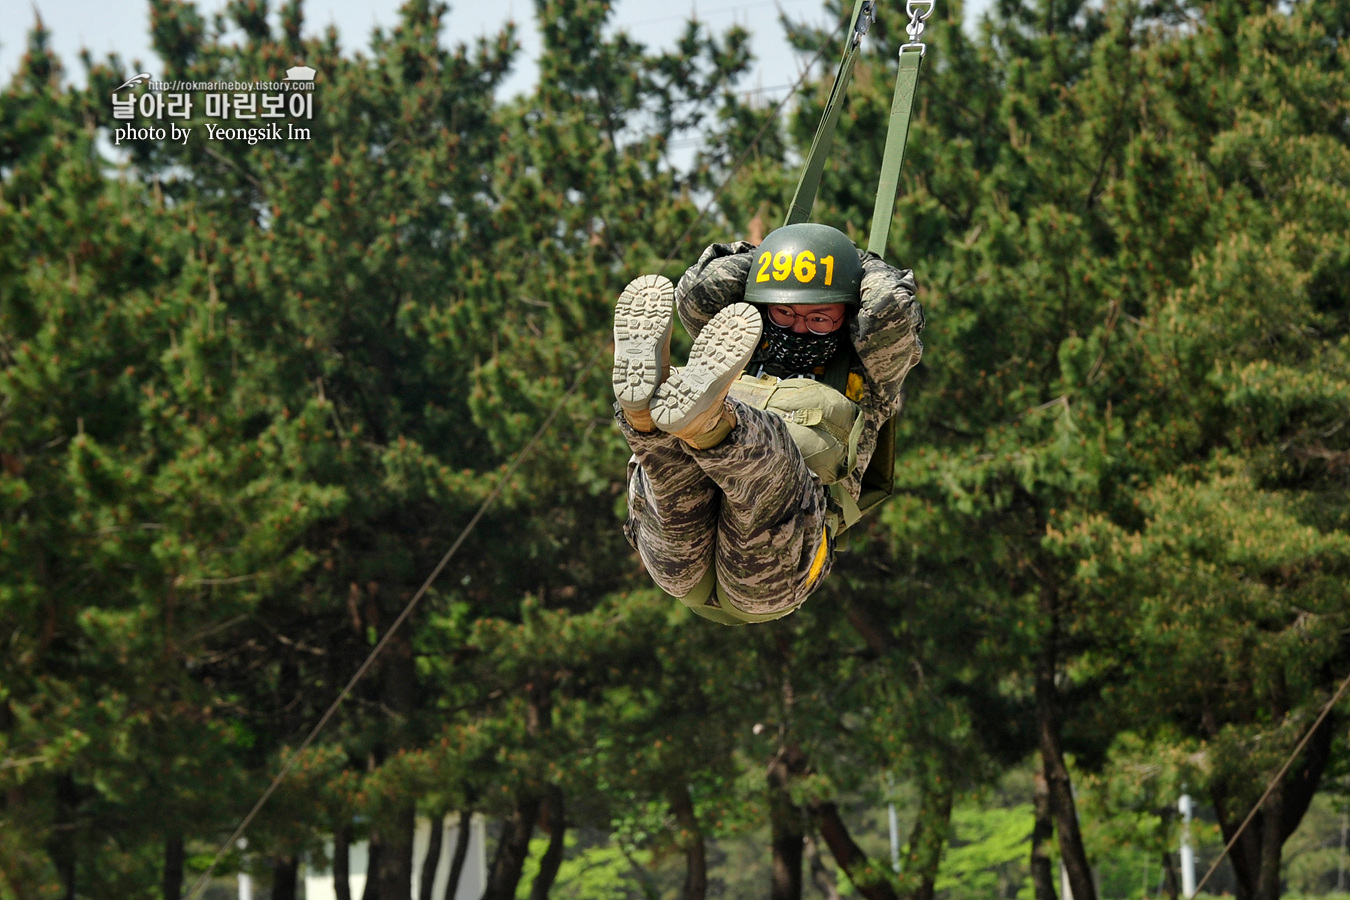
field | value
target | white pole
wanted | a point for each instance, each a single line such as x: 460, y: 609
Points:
x: 1065, y: 891
x: 1187, y: 853
x: 245, y: 883
x: 895, y: 838
x: 894, y: 822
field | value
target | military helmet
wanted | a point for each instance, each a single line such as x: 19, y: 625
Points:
x: 802, y: 265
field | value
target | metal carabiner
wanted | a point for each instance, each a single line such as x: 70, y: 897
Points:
x: 918, y: 11
x: 866, y: 16
x: 912, y: 9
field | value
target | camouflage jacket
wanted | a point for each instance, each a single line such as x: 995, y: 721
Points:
x: 884, y: 331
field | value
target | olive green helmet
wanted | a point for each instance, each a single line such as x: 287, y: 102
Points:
x: 804, y: 264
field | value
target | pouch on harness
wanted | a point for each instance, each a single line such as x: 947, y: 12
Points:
x: 826, y: 426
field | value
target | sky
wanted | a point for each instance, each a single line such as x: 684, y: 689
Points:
x: 122, y: 26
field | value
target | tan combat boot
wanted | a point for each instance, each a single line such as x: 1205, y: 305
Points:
x: 691, y: 403
x: 643, y: 320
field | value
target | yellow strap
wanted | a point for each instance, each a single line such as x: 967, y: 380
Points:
x: 818, y: 564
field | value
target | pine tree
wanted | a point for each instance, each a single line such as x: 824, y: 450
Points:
x: 1074, y: 178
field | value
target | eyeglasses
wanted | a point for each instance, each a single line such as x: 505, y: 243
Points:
x: 816, y: 322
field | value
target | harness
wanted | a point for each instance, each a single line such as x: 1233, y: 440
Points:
x: 878, y: 480
x: 826, y: 425
x: 897, y: 132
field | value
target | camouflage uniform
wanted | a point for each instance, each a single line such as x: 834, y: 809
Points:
x: 749, y: 509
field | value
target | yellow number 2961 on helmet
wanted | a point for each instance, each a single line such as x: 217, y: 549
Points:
x: 804, y: 264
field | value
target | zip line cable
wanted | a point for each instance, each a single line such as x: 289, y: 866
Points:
x: 1326, y: 710
x: 200, y: 884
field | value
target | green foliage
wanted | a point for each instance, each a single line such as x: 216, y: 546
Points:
x: 1314, y: 861
x: 605, y: 872
x: 249, y: 395
x: 988, y: 853
x: 1121, y: 311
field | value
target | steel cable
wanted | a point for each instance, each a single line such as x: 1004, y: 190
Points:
x: 1326, y: 710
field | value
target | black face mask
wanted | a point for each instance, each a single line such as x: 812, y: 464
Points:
x: 789, y: 353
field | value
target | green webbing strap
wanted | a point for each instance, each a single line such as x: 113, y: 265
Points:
x: 906, y: 83
x: 707, y: 601
x: 848, y: 506
x: 805, y: 196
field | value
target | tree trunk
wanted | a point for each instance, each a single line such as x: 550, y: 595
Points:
x: 174, y: 857
x: 342, y: 845
x: 690, y: 840
x: 1171, y: 883
x: 374, y: 851
x: 512, y: 849
x: 867, y: 877
x: 1245, y: 854
x: 928, y: 838
x: 1304, y: 778
x: 462, y: 836
x: 514, y: 846
x: 820, y: 876
x: 1257, y: 854
x: 285, y: 872
x: 555, y: 823
x: 13, y: 797
x: 1268, y: 878
x: 63, y: 852
x: 1057, y: 778
x: 1042, y: 872
x: 394, y: 870
x: 432, y: 861
x: 785, y: 818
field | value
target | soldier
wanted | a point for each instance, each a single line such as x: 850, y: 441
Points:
x: 739, y: 484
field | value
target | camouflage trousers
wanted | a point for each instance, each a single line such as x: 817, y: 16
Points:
x: 748, y: 511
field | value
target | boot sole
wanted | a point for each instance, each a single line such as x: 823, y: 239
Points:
x: 719, y: 355
x: 643, y: 320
